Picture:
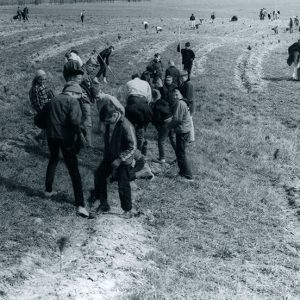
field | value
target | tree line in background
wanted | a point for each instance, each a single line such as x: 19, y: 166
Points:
x: 37, y: 2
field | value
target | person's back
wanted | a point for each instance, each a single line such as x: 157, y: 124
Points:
x: 138, y: 87
x: 64, y: 114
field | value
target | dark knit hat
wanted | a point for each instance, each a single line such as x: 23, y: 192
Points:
x: 187, y: 44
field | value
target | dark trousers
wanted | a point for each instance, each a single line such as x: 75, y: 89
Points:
x: 69, y: 154
x: 184, y: 167
x: 163, y: 132
x: 188, y: 68
x: 123, y: 178
x: 102, y: 71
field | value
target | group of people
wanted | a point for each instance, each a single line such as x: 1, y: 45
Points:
x: 294, y: 24
x: 161, y: 97
x: 274, y: 15
x: 22, y: 14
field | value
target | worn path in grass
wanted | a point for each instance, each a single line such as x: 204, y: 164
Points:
x: 228, y: 234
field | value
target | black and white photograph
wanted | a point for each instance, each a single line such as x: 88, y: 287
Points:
x: 149, y: 150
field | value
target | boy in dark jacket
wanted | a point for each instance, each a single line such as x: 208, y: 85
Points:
x: 167, y: 89
x: 162, y: 117
x: 156, y: 68
x: 174, y: 72
x: 118, y: 156
x: 188, y: 57
x: 63, y: 117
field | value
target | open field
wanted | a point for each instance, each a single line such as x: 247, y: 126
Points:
x: 232, y: 234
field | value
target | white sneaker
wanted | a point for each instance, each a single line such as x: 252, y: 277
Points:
x: 104, y: 80
x: 95, y: 80
x: 82, y: 212
x: 50, y: 194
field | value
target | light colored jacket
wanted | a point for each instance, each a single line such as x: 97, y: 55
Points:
x: 138, y: 87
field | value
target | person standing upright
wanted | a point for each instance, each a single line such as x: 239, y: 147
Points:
x: 174, y: 72
x: 156, y: 68
x: 103, y: 60
x: 187, y: 90
x: 82, y: 14
x: 40, y: 95
x: 63, y: 117
x: 181, y: 123
x: 188, y: 57
x: 192, y: 19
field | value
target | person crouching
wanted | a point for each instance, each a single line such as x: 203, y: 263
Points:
x: 118, y: 156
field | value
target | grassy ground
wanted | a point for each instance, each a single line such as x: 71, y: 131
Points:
x: 231, y: 234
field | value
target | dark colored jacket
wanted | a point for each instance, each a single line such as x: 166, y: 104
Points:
x: 103, y: 57
x: 192, y: 18
x: 156, y: 69
x: 122, y: 144
x: 187, y: 91
x: 167, y: 91
x: 161, y: 111
x: 291, y: 50
x: 188, y: 56
x: 175, y: 73
x: 139, y: 114
x: 294, y: 47
x: 63, y: 115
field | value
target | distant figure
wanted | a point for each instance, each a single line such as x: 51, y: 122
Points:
x: 192, y: 19
x: 158, y: 29
x: 19, y: 13
x: 296, y: 22
x: 103, y: 60
x: 234, y: 19
x: 275, y: 29
x: 82, y: 16
x: 212, y: 16
x: 146, y: 25
x: 25, y: 13
x: 269, y: 16
x: 291, y: 25
x: 188, y: 57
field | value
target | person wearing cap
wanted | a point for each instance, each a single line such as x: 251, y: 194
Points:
x: 119, y: 150
x: 187, y: 90
x: 103, y: 60
x: 167, y: 89
x: 162, y: 117
x: 63, y: 115
x: 188, y: 57
x: 173, y: 71
x: 155, y: 68
x: 181, y: 123
x: 39, y: 95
